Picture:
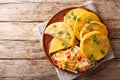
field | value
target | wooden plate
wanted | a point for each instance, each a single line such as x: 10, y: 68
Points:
x: 59, y: 17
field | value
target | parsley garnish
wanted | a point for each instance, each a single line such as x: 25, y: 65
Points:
x: 88, y: 20
x: 66, y: 64
x: 74, y: 17
x: 77, y: 69
x: 91, y: 57
x: 54, y: 26
x: 75, y: 54
x: 79, y: 31
x: 69, y: 16
x: 64, y: 44
x: 68, y: 35
x: 78, y: 19
x: 73, y: 59
x: 72, y: 13
x: 89, y: 28
x: 60, y: 32
x: 95, y: 39
x: 102, y: 51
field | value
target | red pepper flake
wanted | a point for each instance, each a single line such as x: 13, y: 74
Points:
x: 68, y: 56
x: 55, y: 61
x: 81, y: 71
x: 79, y: 58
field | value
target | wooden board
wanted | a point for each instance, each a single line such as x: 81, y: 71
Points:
x: 34, y: 68
x: 30, y: 11
x: 17, y: 30
x: 33, y: 50
x: 21, y: 56
x: 43, y: 11
x: 30, y: 68
x: 107, y: 71
x: 21, y: 50
x: 24, y: 30
x: 42, y: 1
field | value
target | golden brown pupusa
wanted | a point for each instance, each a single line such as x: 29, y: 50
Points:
x: 61, y: 31
x: 93, y: 26
x: 72, y: 15
x: 58, y: 44
x: 84, y: 17
x: 94, y: 44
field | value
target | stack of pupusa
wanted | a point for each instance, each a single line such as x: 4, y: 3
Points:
x: 79, y: 25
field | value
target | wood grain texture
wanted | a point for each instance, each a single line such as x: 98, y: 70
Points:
x: 115, y: 43
x: 17, y: 30
x: 110, y: 10
x: 33, y: 69
x: 30, y: 11
x: 107, y: 71
x: 24, y: 30
x: 21, y: 56
x: 21, y: 50
x: 43, y: 11
x: 33, y: 50
x: 42, y: 1
x: 30, y: 68
x: 53, y: 77
x: 113, y: 28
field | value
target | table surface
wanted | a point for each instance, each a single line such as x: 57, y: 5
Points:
x: 21, y: 56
